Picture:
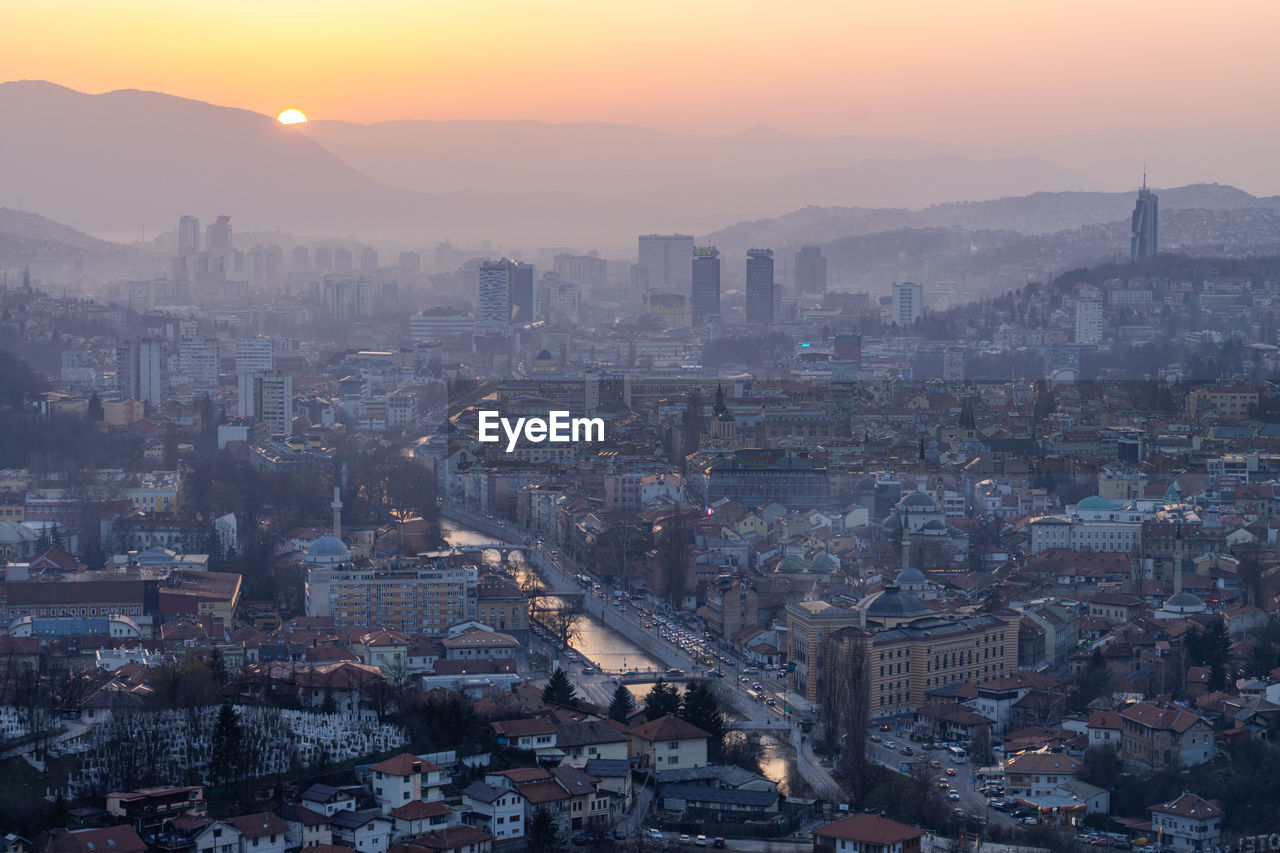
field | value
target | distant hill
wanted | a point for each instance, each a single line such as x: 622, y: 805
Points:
x: 1034, y: 214
x: 53, y: 251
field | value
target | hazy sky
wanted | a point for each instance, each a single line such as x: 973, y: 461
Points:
x: 982, y: 71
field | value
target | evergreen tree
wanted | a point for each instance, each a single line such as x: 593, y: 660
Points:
x: 559, y: 690
x: 227, y: 758
x: 622, y: 705
x: 541, y: 834
x: 661, y: 701
x: 700, y: 708
x: 94, y: 412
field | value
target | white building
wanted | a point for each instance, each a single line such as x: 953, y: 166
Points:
x: 198, y: 361
x: 1089, y: 321
x: 1188, y: 822
x: 441, y: 324
x: 669, y: 743
x: 908, y: 303
x: 254, y: 355
x: 273, y: 400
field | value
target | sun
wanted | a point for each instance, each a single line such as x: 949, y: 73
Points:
x: 292, y: 116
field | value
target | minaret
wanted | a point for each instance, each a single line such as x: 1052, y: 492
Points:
x: 337, y: 513
x: 906, y: 549
x: 1177, y: 558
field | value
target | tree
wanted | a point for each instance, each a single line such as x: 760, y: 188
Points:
x: 622, y: 705
x: 1093, y: 681
x: 845, y: 700
x: 661, y: 701
x: 94, y: 413
x: 672, y: 540
x: 559, y: 689
x: 562, y: 621
x: 742, y: 749
x: 1102, y: 766
x: 541, y: 833
x: 700, y: 708
x: 226, y: 761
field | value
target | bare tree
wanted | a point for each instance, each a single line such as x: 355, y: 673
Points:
x: 563, y: 621
x: 672, y: 540
x: 846, y: 704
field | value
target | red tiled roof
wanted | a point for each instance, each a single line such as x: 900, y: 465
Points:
x: 404, y: 764
x: 419, y: 810
x: 258, y: 825
x: 669, y: 727
x: 869, y: 829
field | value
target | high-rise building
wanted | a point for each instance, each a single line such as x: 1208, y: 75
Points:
x: 522, y: 307
x: 1143, y: 239
x: 666, y: 257
x: 300, y: 259
x: 342, y: 261
x: 140, y: 371
x: 1089, y: 321
x: 217, y: 237
x: 422, y: 599
x: 368, y: 259
x: 760, y: 287
x: 586, y: 270
x: 705, y: 296
x: 671, y: 307
x: 811, y: 271
x: 254, y: 354
x: 908, y: 303
x: 346, y: 299
x: 198, y: 361
x: 273, y: 400
x: 323, y: 256
x: 493, y: 305
x: 188, y: 235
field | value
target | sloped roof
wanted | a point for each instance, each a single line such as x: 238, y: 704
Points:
x: 669, y: 727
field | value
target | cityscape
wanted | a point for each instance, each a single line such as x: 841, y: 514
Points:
x: 386, y: 468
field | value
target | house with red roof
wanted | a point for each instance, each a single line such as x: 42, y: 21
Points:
x: 1160, y: 737
x: 867, y: 833
x: 405, y: 778
x: 668, y: 743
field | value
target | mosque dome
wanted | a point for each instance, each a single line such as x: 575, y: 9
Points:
x: 894, y: 603
x: 911, y: 576
x: 1096, y: 502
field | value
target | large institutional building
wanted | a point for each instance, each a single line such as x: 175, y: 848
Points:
x: 907, y: 648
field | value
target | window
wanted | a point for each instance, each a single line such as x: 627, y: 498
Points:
x: 673, y: 759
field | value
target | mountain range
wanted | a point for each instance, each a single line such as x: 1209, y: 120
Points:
x: 125, y: 163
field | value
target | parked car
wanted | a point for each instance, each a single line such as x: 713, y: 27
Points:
x: 718, y: 843
x: 701, y: 841
x: 951, y: 771
x: 655, y: 833
x: 684, y: 839
x: 619, y: 833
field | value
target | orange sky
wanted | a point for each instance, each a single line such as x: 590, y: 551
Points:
x: 981, y: 71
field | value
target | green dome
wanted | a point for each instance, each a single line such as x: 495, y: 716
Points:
x: 793, y: 564
x: 822, y: 564
x: 1095, y: 503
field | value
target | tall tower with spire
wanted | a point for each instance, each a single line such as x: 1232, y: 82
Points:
x: 1143, y: 237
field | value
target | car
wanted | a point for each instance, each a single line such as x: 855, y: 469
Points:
x: 619, y: 834
x: 958, y: 813
x: 1103, y: 842
x: 944, y: 784
x: 1029, y: 821
x: 718, y: 843
x: 954, y: 795
x: 951, y: 771
x: 757, y: 686
x: 890, y: 745
x: 876, y: 739
x: 771, y: 702
x: 579, y: 840
x: 654, y: 833
x: 684, y: 839
x: 935, y: 764
x: 995, y: 803
x: 884, y: 727
x: 701, y: 841
x: 906, y: 750
x: 744, y: 679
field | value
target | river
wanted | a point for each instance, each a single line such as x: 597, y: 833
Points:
x: 611, y: 650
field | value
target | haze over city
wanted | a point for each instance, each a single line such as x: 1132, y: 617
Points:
x: 490, y: 427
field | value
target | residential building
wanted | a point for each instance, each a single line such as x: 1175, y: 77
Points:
x: 424, y: 599
x: 669, y: 743
x: 1167, y: 737
x: 262, y: 832
x: 405, y: 778
x: 908, y: 303
x: 273, y: 401
x: 1089, y: 321
x: 1188, y: 822
x: 867, y: 833
x: 1037, y: 774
